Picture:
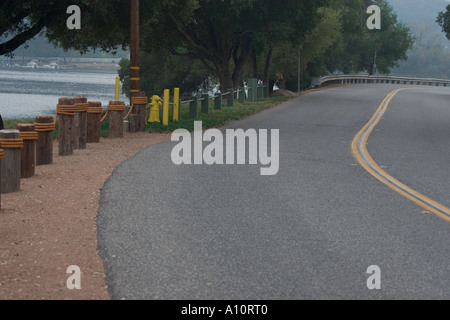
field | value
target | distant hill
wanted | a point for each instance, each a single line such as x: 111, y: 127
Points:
x: 40, y: 47
x: 420, y: 11
x: 430, y: 56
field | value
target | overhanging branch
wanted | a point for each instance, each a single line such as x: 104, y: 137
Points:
x: 22, y: 37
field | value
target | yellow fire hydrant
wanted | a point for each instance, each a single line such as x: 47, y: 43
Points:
x: 154, y: 110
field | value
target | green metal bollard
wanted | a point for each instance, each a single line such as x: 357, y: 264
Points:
x: 260, y: 91
x: 205, y: 103
x: 193, y: 108
x: 218, y: 102
x: 241, y: 95
x: 252, y: 90
x: 266, y: 91
x: 230, y: 98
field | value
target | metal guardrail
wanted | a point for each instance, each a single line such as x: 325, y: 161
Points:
x: 349, y: 79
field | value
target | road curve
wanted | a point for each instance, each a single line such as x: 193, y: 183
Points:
x: 310, y: 232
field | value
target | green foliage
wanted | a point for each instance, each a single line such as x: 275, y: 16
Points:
x: 105, y: 26
x: 311, y: 48
x: 185, y: 42
x: 443, y: 19
x: 223, y: 34
x: 21, y: 20
x: 357, y: 52
x: 159, y: 71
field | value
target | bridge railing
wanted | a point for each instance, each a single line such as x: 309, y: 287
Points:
x: 351, y: 79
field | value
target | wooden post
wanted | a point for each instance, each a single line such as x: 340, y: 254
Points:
x: 44, y: 146
x: 11, y: 143
x: 28, y: 154
x: 66, y: 116
x: 126, y: 125
x: 134, y: 48
x: 94, y: 118
x: 116, y: 110
x: 133, y: 121
x: 2, y: 155
x: 139, y: 102
x: 80, y: 123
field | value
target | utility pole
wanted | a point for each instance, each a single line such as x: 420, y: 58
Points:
x: 134, y: 48
x: 375, y: 63
x: 299, y: 68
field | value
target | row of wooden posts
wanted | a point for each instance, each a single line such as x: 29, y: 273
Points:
x: 79, y: 122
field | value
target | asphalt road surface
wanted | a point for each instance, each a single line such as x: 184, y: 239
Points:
x: 225, y: 232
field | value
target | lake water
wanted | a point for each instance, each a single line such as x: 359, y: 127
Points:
x: 26, y: 94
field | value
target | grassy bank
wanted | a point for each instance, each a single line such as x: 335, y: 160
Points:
x: 215, y: 118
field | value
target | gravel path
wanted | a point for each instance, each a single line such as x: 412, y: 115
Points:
x: 51, y: 223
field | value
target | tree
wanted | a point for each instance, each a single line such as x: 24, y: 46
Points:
x: 357, y: 51
x: 340, y: 41
x: 161, y: 71
x: 443, y: 19
x: 224, y: 34
x: 311, y: 48
x: 288, y: 22
x: 104, y: 24
x: 21, y: 20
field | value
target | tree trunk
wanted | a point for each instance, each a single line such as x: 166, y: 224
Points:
x: 241, y: 54
x: 371, y: 69
x: 226, y: 80
x: 267, y: 67
x: 255, y: 64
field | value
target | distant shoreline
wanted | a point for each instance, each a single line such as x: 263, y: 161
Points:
x: 69, y: 67
x: 60, y: 63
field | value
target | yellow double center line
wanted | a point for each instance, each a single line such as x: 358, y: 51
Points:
x: 361, y: 154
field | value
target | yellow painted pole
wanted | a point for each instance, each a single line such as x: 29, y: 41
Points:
x: 176, y: 104
x: 117, y: 88
x: 166, y: 107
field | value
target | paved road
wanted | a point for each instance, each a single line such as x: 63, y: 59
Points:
x: 309, y: 232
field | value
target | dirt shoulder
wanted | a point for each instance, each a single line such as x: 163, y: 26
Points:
x: 51, y: 223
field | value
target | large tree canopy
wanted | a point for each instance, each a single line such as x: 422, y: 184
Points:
x: 224, y: 34
x: 357, y: 52
x: 21, y: 20
x: 232, y: 39
x: 104, y: 23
